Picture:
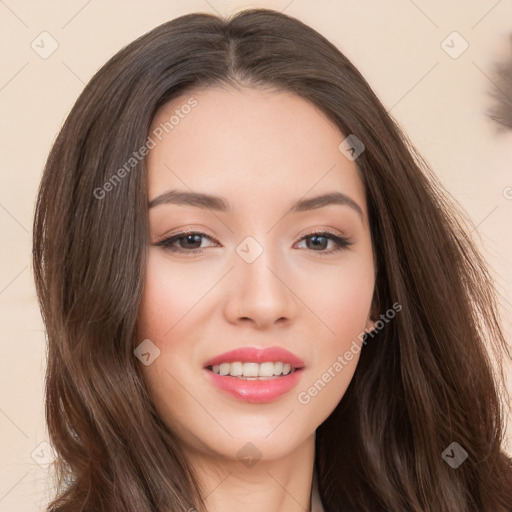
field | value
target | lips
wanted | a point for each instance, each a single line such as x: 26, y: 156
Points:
x: 257, y: 355
x: 256, y: 390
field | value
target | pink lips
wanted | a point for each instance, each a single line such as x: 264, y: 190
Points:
x: 256, y: 391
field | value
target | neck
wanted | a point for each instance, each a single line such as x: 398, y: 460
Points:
x: 284, y: 484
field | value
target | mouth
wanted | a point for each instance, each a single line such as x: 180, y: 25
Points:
x: 254, y: 362
x: 242, y: 373
x: 254, y: 371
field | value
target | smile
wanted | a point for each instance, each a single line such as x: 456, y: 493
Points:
x: 251, y: 370
x: 255, y: 375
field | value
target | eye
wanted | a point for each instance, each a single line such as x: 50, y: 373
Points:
x: 320, y: 239
x: 190, y: 242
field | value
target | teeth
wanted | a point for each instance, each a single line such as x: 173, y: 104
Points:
x: 252, y: 370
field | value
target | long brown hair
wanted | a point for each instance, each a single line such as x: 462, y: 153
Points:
x: 424, y: 382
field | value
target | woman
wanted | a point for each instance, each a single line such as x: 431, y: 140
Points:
x: 257, y: 294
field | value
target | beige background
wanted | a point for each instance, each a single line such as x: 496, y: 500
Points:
x: 439, y: 100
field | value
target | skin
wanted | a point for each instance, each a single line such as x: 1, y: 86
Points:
x: 262, y: 150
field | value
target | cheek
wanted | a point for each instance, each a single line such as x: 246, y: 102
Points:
x: 341, y: 299
x: 169, y: 296
x: 170, y: 300
x: 339, y: 295
x: 343, y: 304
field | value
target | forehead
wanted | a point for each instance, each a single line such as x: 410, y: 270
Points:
x: 265, y: 146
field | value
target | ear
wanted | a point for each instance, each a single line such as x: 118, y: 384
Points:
x: 373, y: 315
x: 370, y: 323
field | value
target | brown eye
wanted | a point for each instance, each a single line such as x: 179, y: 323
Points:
x: 318, y: 242
x: 189, y: 242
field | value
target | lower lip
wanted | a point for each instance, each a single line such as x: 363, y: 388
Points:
x: 256, y: 391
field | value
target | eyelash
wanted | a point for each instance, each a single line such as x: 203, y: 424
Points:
x: 342, y: 242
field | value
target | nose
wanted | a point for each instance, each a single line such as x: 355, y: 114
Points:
x: 261, y: 292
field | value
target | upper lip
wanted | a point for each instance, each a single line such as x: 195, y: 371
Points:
x: 257, y: 355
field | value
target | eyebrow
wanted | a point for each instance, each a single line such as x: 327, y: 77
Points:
x: 200, y: 200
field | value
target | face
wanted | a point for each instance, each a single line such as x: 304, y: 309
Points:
x: 258, y: 273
